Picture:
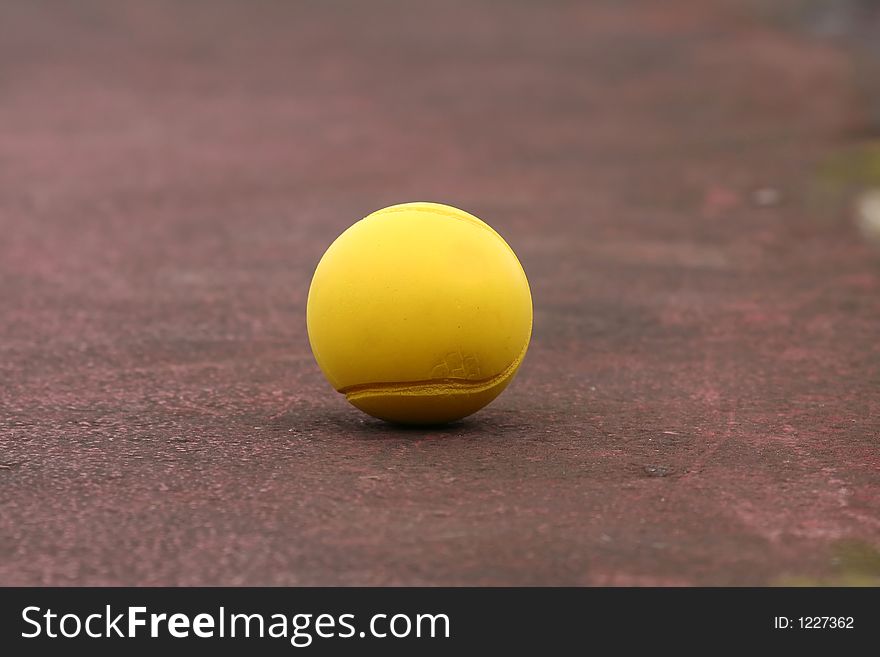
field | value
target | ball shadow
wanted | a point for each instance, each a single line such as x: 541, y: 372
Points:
x: 311, y: 420
x: 372, y: 428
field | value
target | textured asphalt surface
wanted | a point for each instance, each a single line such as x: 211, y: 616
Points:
x: 700, y: 401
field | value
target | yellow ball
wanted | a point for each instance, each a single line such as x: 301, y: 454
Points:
x: 419, y: 313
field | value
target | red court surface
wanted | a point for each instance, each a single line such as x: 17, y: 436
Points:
x: 700, y: 404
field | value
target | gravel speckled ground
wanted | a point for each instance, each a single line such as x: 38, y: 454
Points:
x: 700, y: 401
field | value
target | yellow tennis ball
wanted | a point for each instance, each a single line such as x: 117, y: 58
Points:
x: 419, y: 313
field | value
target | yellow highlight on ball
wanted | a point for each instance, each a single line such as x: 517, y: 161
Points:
x: 419, y: 313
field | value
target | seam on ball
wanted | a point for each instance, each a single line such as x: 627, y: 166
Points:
x: 466, y: 217
x: 461, y: 215
x: 433, y: 386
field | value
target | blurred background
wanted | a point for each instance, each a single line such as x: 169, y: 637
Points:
x: 693, y: 188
